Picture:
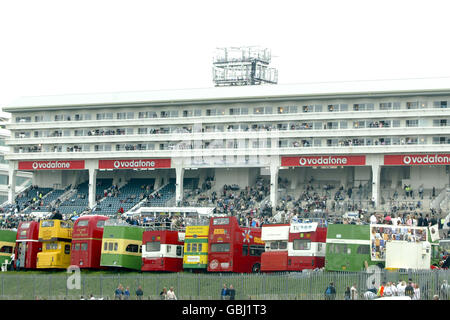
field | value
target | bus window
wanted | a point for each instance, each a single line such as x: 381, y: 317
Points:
x: 199, y: 248
x: 116, y: 246
x: 363, y: 249
x: 66, y: 225
x: 188, y: 247
x: 302, y: 244
x: 168, y: 248
x: 153, y: 246
x: 110, y: 246
x: 6, y: 249
x: 340, y: 248
x: 220, y: 247
x: 77, y: 247
x: 84, y: 246
x: 82, y: 223
x: 179, y: 250
x: 132, y: 248
x: 51, y: 246
x: 256, y: 250
x: 48, y: 223
x: 25, y: 225
x: 244, y: 250
x: 278, y: 245
x: 67, y: 249
x: 105, y: 246
x: 23, y: 233
x: 100, y: 223
x: 194, y: 247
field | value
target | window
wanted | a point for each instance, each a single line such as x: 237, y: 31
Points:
x: 82, y: 223
x: 199, y: 247
x: 48, y: 223
x: 302, y: 244
x: 84, y: 246
x: 220, y: 247
x: 363, y: 249
x: 110, y: 246
x: 6, y: 249
x: 386, y: 106
x: 440, y: 104
x: 67, y: 249
x: 256, y: 251
x: 116, y: 246
x: 278, y: 245
x: 132, y: 248
x: 194, y: 247
x: 101, y: 224
x: 105, y: 246
x: 188, y: 247
x: 76, y: 247
x: 245, y: 250
x: 339, y: 248
x: 153, y: 246
x: 179, y: 250
x: 412, y: 123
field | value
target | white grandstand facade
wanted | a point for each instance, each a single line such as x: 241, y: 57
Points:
x: 379, y: 135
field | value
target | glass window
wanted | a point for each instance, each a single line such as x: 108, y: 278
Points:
x: 6, y: 249
x: 82, y: 223
x: 340, y: 248
x: 363, y: 249
x: 153, y: 246
x: 188, y: 247
x: 194, y: 247
x: 67, y: 249
x: 245, y: 250
x: 84, y: 246
x: 105, y: 246
x: 168, y: 248
x: 302, y: 244
x: 77, y: 247
x: 100, y: 223
x: 132, y: 248
x: 179, y: 250
x: 48, y: 223
x: 256, y: 251
x: 110, y: 246
x: 220, y: 247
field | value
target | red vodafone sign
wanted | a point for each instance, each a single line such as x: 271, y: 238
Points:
x: 52, y: 165
x: 323, y: 161
x: 417, y: 159
x: 134, y: 163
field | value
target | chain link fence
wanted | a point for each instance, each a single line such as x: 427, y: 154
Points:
x: 201, y: 286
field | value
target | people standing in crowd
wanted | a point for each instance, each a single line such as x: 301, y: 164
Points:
x: 118, y: 293
x: 163, y: 294
x: 139, y: 293
x: 354, y: 292
x: 401, y: 288
x: 126, y: 294
x: 347, y: 294
x: 380, y: 292
x: 232, y: 292
x: 409, y: 290
x: 330, y: 292
x: 416, y: 295
x: 171, y: 294
x: 224, y: 292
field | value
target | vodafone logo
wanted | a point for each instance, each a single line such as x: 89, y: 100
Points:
x: 309, y: 161
x: 426, y: 159
x: 133, y: 164
x: 50, y: 165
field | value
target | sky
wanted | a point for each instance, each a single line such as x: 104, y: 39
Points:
x: 59, y: 47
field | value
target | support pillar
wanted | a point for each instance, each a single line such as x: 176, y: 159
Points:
x: 274, y: 186
x: 92, y: 187
x: 179, y: 171
x: 376, y: 170
x: 12, y: 174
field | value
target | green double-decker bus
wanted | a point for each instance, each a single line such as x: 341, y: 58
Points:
x: 352, y: 247
x: 7, y: 244
x: 121, y: 246
x: 348, y: 247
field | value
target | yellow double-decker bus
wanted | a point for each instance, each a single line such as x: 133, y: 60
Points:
x: 196, y: 247
x: 56, y: 237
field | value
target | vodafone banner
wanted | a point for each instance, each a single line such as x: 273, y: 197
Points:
x: 134, y: 164
x: 323, y: 161
x: 417, y: 159
x: 52, y: 165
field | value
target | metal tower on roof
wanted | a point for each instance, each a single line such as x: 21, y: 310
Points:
x: 243, y: 66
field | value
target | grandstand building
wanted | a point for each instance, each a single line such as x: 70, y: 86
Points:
x: 375, y: 136
x: 23, y: 179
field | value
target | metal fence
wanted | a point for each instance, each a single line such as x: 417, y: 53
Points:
x: 189, y: 286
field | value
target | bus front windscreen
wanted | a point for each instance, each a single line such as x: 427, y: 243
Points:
x: 153, y: 246
x: 220, y: 247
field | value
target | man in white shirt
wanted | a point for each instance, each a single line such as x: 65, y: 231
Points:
x: 171, y: 294
x: 353, y: 292
x: 373, y: 219
x: 388, y: 290
x: 401, y: 288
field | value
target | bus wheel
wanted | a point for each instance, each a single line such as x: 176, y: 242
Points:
x: 256, y: 268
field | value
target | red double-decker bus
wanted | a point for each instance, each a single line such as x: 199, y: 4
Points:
x: 162, y: 250
x: 87, y: 241
x: 27, y: 244
x: 294, y: 247
x: 232, y: 248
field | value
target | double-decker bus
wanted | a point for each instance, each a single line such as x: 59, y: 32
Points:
x: 196, y: 247
x: 87, y: 241
x: 27, y: 244
x: 294, y: 247
x: 56, y: 237
x: 121, y: 245
x: 7, y: 244
x: 232, y: 248
x: 356, y: 247
x: 162, y: 250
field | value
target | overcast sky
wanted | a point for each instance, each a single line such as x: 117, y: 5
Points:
x: 61, y: 47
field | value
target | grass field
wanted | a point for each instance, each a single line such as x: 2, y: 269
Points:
x: 190, y: 286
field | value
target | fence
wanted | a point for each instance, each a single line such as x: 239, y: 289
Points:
x: 189, y: 286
